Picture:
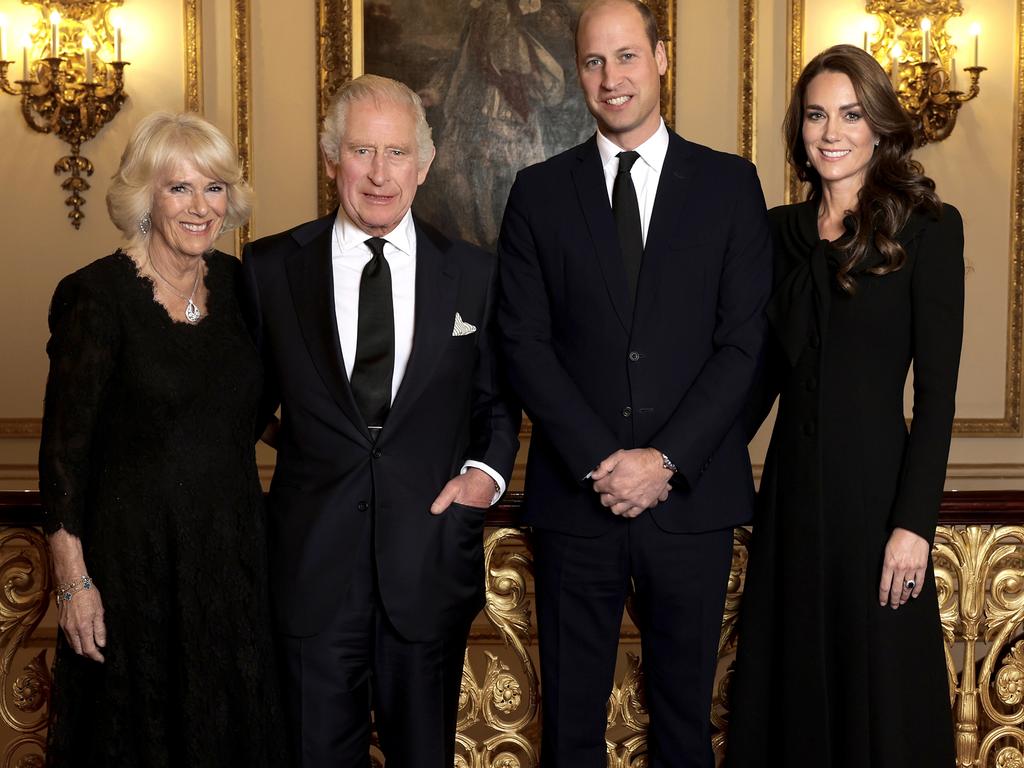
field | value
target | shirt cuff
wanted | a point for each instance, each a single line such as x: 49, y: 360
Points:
x: 498, y: 479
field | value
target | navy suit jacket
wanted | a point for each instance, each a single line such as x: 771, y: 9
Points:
x: 596, y: 373
x: 331, y: 477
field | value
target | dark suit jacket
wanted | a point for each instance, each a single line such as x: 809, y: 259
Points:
x: 330, y: 476
x: 594, y: 374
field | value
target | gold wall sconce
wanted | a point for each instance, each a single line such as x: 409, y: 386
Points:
x: 911, y: 42
x: 72, y: 81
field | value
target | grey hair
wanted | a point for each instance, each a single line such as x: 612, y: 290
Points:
x: 379, y: 89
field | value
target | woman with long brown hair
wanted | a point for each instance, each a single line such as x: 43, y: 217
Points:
x: 841, y: 659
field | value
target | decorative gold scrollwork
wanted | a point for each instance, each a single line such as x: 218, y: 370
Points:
x: 32, y: 689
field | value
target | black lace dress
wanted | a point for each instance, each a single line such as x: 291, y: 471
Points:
x: 147, y: 456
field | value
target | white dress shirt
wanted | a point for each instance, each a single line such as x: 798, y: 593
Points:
x: 645, y: 173
x: 349, y: 255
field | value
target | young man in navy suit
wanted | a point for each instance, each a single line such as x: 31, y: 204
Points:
x: 377, y: 338
x: 635, y: 270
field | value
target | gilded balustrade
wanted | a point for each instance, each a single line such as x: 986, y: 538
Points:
x: 979, y: 570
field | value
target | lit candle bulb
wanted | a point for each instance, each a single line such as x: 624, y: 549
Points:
x: 3, y: 36
x: 976, y: 33
x: 54, y: 34
x: 926, y: 28
x: 115, y: 19
x: 87, y: 48
x: 895, y: 54
x: 26, y: 43
x: 952, y: 70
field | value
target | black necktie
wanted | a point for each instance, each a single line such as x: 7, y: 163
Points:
x: 627, y: 218
x: 375, y: 342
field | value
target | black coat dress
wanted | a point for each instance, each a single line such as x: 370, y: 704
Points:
x: 147, y: 456
x: 825, y: 676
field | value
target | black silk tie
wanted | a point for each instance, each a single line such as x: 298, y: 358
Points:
x: 627, y: 218
x: 375, y: 341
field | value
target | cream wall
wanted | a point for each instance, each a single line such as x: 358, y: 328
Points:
x: 973, y: 169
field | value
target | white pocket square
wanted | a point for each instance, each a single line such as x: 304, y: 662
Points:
x: 462, y: 328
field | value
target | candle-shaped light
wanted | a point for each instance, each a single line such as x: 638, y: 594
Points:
x: 115, y: 19
x: 26, y: 43
x: 952, y: 71
x: 55, y: 34
x: 895, y: 54
x: 869, y: 29
x: 976, y: 34
x: 3, y: 37
x: 926, y: 34
x: 87, y: 48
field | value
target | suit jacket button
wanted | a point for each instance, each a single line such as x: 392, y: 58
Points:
x: 810, y: 428
x: 362, y: 506
x: 811, y: 383
x: 377, y: 453
x: 627, y: 411
x: 634, y: 356
x: 814, y: 340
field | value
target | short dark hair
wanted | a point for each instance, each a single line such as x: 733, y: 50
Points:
x: 646, y: 14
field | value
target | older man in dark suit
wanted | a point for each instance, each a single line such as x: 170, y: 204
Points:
x: 376, y: 333
x: 635, y: 271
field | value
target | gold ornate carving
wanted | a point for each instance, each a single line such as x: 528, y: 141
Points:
x: 979, y: 574
x: 21, y: 427
x: 748, y: 79
x: 241, y: 70
x: 794, y: 187
x: 72, y: 83
x: 24, y: 598
x: 193, y: 10
x: 334, y: 59
x: 32, y: 688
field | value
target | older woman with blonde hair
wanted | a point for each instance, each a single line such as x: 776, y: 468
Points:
x: 148, y: 477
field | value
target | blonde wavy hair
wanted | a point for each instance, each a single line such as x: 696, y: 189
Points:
x: 161, y: 141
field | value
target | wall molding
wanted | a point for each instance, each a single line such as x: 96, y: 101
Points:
x: 748, y: 80
x: 193, y: 56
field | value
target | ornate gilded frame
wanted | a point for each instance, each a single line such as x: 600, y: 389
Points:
x: 746, y: 143
x: 1009, y: 424
x: 339, y: 57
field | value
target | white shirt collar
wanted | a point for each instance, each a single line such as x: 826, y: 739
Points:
x: 652, y: 151
x: 403, y: 236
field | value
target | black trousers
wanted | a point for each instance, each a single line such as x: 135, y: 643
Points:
x: 582, y: 584
x: 332, y: 680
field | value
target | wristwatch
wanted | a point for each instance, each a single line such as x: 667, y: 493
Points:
x: 666, y: 463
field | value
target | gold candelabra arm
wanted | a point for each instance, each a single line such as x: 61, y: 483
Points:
x: 5, y: 84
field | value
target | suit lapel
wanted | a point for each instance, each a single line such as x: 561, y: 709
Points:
x: 593, y: 196
x: 436, y: 289
x: 311, y: 280
x: 672, y: 219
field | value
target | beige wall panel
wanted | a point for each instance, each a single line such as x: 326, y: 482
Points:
x: 284, y: 114
x: 707, y: 72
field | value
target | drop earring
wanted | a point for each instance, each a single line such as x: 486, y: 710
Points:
x: 145, y: 223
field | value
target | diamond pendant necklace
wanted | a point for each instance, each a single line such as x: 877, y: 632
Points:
x: 192, y: 312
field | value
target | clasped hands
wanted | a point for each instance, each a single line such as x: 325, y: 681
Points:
x: 630, y: 481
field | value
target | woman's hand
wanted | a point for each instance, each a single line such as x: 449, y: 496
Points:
x: 904, y: 567
x: 81, y: 617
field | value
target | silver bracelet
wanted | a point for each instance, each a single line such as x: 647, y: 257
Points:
x: 65, y: 592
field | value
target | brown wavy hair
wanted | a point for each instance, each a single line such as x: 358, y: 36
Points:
x: 894, y: 183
